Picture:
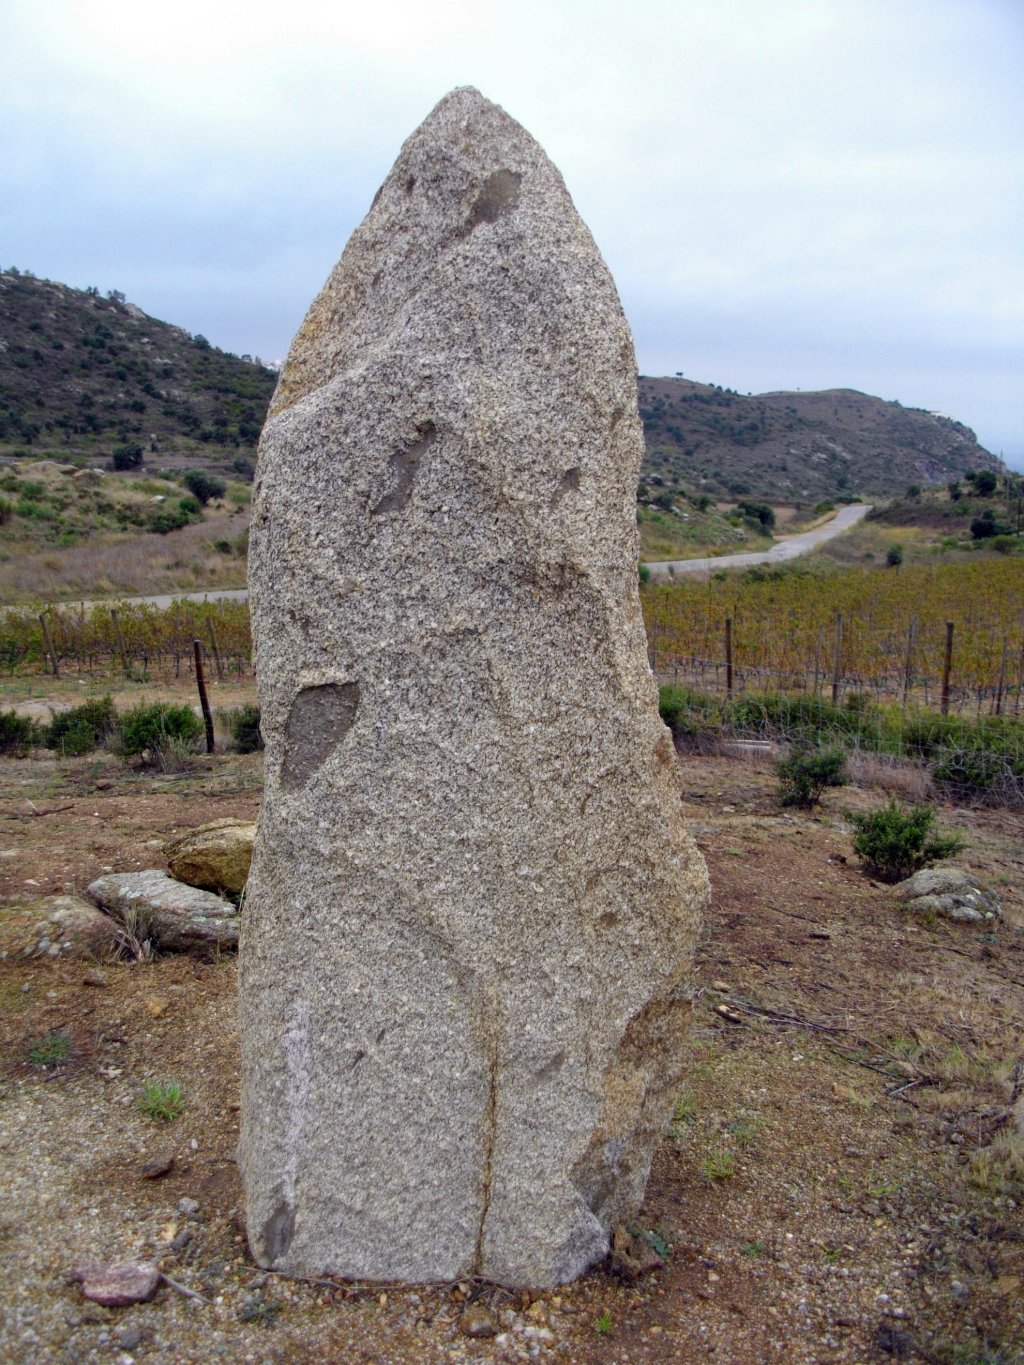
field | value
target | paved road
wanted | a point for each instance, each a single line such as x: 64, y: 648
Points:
x: 789, y: 547
x: 164, y: 600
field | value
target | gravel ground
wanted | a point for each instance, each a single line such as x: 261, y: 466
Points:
x: 827, y: 1191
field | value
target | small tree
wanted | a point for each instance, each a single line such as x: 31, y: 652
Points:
x: 895, y: 841
x: 203, y: 486
x: 985, y: 482
x: 894, y: 555
x: 127, y: 456
x: 986, y: 526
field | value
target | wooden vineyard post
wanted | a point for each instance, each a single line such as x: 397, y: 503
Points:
x: 908, y: 671
x: 216, y: 652
x: 817, y: 661
x: 837, y: 665
x: 204, y: 700
x: 115, y: 621
x: 728, y: 656
x: 947, y: 668
x: 48, y: 641
x: 1002, y: 677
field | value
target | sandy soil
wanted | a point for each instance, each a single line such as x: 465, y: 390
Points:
x: 828, y: 1190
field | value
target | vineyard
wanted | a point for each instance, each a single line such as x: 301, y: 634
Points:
x: 888, y: 635
x: 134, y: 637
x: 882, y: 634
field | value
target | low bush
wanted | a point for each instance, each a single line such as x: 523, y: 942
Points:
x: 688, y: 714
x: 82, y: 728
x: 895, y: 841
x: 245, y: 729
x: 804, y: 774
x: 158, y: 728
x: 18, y: 734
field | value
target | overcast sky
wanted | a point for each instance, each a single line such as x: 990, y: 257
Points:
x: 790, y: 193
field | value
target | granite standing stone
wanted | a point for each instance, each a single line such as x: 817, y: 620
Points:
x: 472, y: 905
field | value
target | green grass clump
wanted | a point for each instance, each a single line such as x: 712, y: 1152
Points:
x: 896, y: 841
x: 50, y: 1051
x: 719, y: 1165
x: 162, y: 1100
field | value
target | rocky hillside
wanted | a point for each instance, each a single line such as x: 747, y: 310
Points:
x: 798, y: 447
x: 82, y: 373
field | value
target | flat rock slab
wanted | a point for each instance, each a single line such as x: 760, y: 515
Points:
x: 464, y: 982
x: 214, y: 857
x: 151, y: 905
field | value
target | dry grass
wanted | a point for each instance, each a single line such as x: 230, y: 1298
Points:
x: 132, y: 565
x: 899, y: 777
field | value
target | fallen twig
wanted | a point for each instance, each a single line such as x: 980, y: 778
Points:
x: 35, y: 813
x: 182, y: 1289
x: 776, y: 1017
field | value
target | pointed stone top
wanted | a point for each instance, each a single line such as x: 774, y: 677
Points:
x: 470, y: 189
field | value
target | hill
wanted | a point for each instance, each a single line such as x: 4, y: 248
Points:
x: 798, y: 447
x: 81, y: 374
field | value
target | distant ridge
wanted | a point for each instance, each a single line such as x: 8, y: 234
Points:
x: 798, y: 447
x: 81, y: 373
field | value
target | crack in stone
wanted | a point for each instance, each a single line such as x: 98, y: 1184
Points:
x: 489, y: 1123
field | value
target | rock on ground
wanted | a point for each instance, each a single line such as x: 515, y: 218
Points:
x: 151, y: 905
x: 950, y: 892
x: 472, y: 906
x: 214, y: 857
x: 62, y: 926
x: 119, y: 1284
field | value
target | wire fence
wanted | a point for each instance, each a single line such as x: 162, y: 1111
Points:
x: 976, y: 669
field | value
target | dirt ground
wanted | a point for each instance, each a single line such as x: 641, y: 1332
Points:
x: 835, y: 1186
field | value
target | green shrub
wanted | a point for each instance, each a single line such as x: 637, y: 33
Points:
x: 82, y: 728
x: 986, y: 526
x: 157, y: 728
x: 18, y: 734
x: 127, y: 456
x: 245, y: 729
x: 896, y: 841
x: 804, y: 775
x: 687, y: 713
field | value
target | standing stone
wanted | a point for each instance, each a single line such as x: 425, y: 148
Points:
x: 472, y: 904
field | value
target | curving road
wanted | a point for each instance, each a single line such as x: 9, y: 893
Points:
x: 789, y: 547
